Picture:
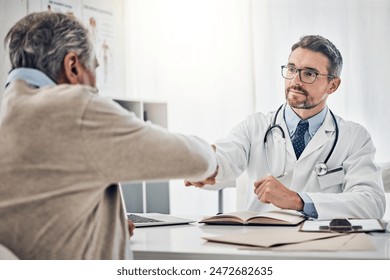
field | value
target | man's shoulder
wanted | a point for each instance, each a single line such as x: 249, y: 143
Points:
x: 60, y: 92
x: 258, y: 119
x: 50, y: 99
x: 349, y: 124
x: 67, y: 91
x: 354, y: 129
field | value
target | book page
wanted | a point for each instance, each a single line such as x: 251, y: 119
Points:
x: 238, y: 217
x: 278, y: 217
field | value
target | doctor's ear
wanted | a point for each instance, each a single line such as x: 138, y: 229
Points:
x: 334, y: 85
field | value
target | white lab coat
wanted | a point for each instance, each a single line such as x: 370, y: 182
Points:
x: 354, y: 192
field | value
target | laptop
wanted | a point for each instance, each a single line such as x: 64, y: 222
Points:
x: 156, y: 219
x: 152, y: 219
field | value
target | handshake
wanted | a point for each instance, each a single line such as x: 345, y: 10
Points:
x: 208, y: 181
x: 200, y: 184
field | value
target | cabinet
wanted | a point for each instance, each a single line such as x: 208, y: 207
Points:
x: 146, y: 197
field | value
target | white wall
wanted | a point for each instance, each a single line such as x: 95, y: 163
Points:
x: 216, y: 61
x: 10, y: 12
x: 192, y: 54
x: 197, y: 56
x: 359, y: 29
x: 109, y: 17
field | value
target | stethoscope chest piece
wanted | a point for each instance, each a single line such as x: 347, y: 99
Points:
x: 321, y: 169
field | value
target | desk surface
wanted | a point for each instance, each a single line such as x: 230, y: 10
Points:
x: 185, y: 242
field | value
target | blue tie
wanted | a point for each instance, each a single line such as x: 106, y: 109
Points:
x: 299, y: 138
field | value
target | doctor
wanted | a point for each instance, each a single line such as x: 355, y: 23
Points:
x: 302, y: 156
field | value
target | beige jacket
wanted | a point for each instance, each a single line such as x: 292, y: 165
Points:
x: 60, y: 149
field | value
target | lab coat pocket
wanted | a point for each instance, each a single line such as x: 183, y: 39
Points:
x: 334, y: 178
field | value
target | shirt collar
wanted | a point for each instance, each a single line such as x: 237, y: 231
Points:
x: 292, y: 120
x: 31, y: 76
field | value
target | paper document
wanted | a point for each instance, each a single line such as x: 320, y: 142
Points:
x: 270, y: 237
x: 283, y: 239
x: 346, y: 242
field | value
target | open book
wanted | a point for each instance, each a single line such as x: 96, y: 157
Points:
x: 277, y: 217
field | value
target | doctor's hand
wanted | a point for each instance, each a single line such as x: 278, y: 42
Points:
x: 208, y: 181
x: 270, y: 190
x: 200, y: 184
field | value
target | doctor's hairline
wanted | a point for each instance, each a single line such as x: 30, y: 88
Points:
x: 317, y: 43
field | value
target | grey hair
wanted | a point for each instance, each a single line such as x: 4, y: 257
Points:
x: 41, y: 41
x: 322, y: 45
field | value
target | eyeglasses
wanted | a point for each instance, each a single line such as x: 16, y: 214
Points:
x: 307, y: 76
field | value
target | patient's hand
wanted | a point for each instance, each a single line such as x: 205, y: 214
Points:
x: 131, y: 227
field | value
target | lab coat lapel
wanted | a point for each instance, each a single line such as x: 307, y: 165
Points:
x: 322, y: 136
x: 282, y: 122
x: 289, y: 145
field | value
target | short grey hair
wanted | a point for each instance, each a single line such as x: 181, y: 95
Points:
x: 322, y: 45
x: 41, y: 41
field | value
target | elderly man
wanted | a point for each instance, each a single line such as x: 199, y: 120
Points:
x: 63, y: 147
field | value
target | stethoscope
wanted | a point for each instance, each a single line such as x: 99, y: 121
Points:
x: 321, y: 168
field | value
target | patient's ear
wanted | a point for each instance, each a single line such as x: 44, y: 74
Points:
x: 72, y: 70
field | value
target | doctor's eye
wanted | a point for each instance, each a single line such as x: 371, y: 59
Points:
x: 310, y: 73
x: 291, y: 69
